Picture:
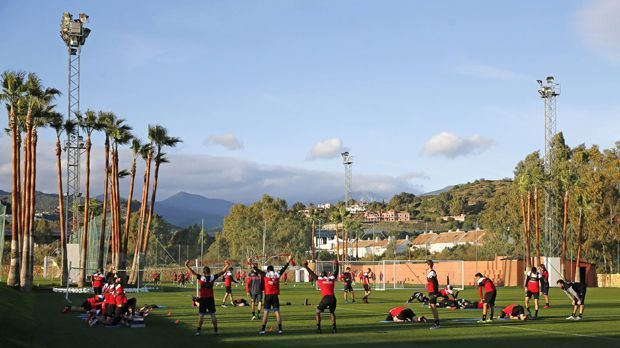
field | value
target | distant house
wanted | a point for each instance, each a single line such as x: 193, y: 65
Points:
x: 460, y: 218
x: 404, y: 216
x: 445, y: 240
x: 389, y: 215
x: 371, y: 216
x: 424, y: 240
x: 472, y: 237
x: 356, y: 208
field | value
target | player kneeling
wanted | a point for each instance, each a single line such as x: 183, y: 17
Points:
x: 514, y: 312
x: 403, y: 314
x: 326, y: 284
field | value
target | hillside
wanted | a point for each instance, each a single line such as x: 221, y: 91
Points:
x: 184, y: 209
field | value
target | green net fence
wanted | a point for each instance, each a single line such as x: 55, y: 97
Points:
x: 94, y: 238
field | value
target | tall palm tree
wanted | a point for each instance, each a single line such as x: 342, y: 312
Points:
x: 106, y: 120
x: 146, y: 152
x: 12, y: 92
x: 121, y: 135
x: 136, y: 145
x: 89, y: 123
x: 59, y: 125
x: 160, y: 139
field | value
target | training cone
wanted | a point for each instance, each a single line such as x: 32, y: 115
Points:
x: 177, y: 321
x: 271, y: 329
x: 169, y: 314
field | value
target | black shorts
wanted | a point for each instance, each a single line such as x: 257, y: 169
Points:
x: 206, y: 305
x: 328, y: 301
x: 348, y: 287
x: 432, y: 297
x: 256, y: 297
x: 544, y: 289
x: 228, y: 289
x: 272, y: 303
x: 582, y: 298
x: 86, y: 306
x: 366, y: 287
x: 97, y: 290
x: 517, y: 311
x: 534, y: 295
x: 110, y: 309
x: 406, y: 314
x: 489, y: 298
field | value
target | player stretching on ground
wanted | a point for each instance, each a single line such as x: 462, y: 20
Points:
x: 347, y: 279
x: 532, y: 290
x: 514, y: 312
x: 271, y: 284
x: 326, y: 284
x: 490, y: 293
x: 366, y: 278
x: 432, y: 286
x: 254, y: 289
x: 403, y: 314
x: 229, y: 278
x: 544, y: 285
x: 206, y: 301
x: 577, y: 293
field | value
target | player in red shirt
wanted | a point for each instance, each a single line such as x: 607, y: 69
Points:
x: 326, y: 285
x: 348, y: 278
x: 366, y: 278
x: 490, y: 293
x: 271, y: 284
x: 205, y: 299
x: 532, y: 290
x: 91, y: 303
x: 97, y: 279
x: 514, y: 312
x: 228, y: 280
x: 432, y: 286
x: 403, y: 314
x: 544, y: 284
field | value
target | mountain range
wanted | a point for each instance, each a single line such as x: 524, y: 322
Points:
x: 185, y: 209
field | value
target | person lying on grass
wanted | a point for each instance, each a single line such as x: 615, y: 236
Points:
x: 403, y: 314
x: 513, y: 312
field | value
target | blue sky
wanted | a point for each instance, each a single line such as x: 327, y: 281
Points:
x: 266, y: 94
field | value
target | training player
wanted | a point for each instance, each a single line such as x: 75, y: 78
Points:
x: 97, y: 279
x: 206, y: 301
x: 347, y: 278
x: 366, y: 278
x: 432, y: 286
x: 229, y: 278
x: 514, y: 312
x: 544, y: 284
x: 532, y: 290
x: 326, y: 284
x: 490, y: 293
x: 577, y: 293
x: 403, y: 314
x: 254, y: 289
x: 271, y: 285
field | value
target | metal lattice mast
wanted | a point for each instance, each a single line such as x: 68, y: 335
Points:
x: 548, y: 91
x: 347, y: 161
x: 74, y: 34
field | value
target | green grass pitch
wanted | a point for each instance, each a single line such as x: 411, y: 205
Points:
x: 35, y: 320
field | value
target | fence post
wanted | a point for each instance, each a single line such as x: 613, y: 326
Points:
x: 68, y: 281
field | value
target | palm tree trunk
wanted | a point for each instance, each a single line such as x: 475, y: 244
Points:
x: 563, y: 255
x: 128, y: 213
x: 536, y: 226
x: 64, y: 274
x: 84, y: 253
x: 25, y: 256
x: 579, y: 236
x: 33, y: 185
x: 529, y: 228
x: 113, y: 211
x: 147, y: 233
x: 145, y: 198
x: 13, y: 277
x: 104, y: 215
x: 117, y: 206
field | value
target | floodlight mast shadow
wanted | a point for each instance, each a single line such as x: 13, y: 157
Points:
x: 74, y: 33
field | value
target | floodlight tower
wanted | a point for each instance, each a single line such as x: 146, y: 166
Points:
x: 347, y: 160
x: 548, y: 91
x: 74, y: 33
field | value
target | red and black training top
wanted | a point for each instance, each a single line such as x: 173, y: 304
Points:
x: 205, y: 285
x: 432, y: 284
x: 486, y: 284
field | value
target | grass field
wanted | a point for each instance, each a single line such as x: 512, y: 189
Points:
x: 35, y: 320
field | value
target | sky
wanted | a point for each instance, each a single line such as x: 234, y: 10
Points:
x: 266, y: 94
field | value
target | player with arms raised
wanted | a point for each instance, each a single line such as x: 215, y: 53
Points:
x: 432, y: 286
x: 205, y: 299
x: 490, y: 293
x: 271, y: 286
x: 326, y: 284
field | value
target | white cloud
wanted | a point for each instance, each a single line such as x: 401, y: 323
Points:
x: 325, y: 149
x: 227, y: 140
x: 597, y: 24
x: 451, y: 145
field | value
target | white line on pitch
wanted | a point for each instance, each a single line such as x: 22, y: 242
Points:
x: 557, y: 332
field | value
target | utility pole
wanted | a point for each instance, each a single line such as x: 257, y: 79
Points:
x: 347, y: 161
x: 548, y: 91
